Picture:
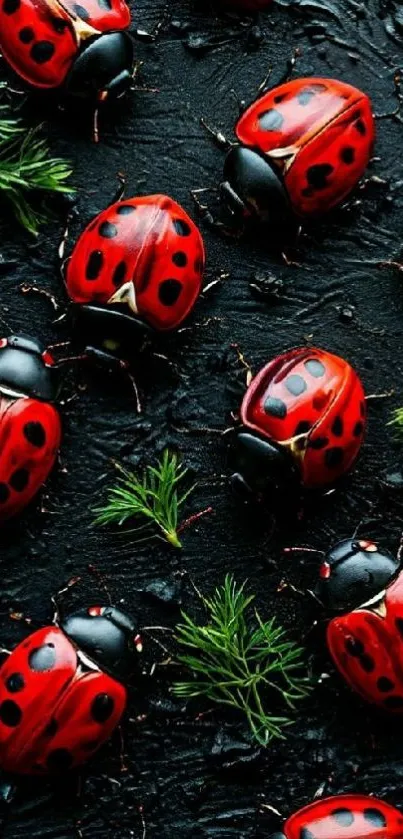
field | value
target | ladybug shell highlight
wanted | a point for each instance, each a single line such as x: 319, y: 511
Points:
x: 345, y: 817
x: 353, y: 572
x: 58, y: 705
x: 143, y: 256
x: 43, y: 39
x: 367, y: 648
x: 316, y: 134
x: 311, y: 404
x: 30, y: 428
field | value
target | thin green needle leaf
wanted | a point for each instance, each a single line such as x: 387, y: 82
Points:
x: 152, y: 495
x: 231, y: 657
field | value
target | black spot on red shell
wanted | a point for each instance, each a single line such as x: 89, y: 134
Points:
x: 384, y: 684
x: 295, y: 384
x: 59, y: 760
x: 125, y: 209
x: 360, y: 126
x: 354, y: 647
x: 394, y: 703
x: 343, y: 816
x: 51, y: 729
x: 302, y: 428
x: 4, y: 493
x: 334, y: 457
x: 275, y: 407
x: 306, y: 834
x: 105, y: 4
x: 399, y: 625
x: 59, y: 25
x: 169, y: 291
x: 102, y: 707
x: 358, y: 429
x: 367, y: 663
x: 119, y: 274
x: 10, y: 713
x: 270, y: 120
x: 337, y: 427
x: 108, y: 230
x: 180, y: 259
x: 35, y: 433
x: 19, y: 479
x: 26, y: 35
x: 347, y: 154
x: 315, y: 367
x: 81, y: 12
x: 182, y: 228
x: 374, y: 817
x: 308, y: 191
x: 42, y: 658
x: 279, y: 98
x: 318, y: 443
x: 15, y: 683
x: 94, y: 265
x: 305, y: 95
x: 42, y: 52
x: 318, y: 174
x: 11, y: 6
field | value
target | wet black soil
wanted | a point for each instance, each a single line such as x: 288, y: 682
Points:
x: 200, y: 778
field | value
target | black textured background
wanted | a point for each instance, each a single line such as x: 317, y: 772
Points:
x: 200, y: 778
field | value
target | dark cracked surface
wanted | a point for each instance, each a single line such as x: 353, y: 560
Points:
x: 193, y: 777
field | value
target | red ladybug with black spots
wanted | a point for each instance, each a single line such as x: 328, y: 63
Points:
x: 303, y: 146
x: 349, y: 816
x: 363, y: 583
x: 78, y: 45
x: 136, y: 269
x: 62, y: 691
x: 30, y: 427
x: 303, y: 420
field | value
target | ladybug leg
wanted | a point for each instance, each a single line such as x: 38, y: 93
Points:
x: 25, y: 288
x: 284, y: 78
x: 207, y: 216
x: 218, y: 136
x: 119, y: 194
x: 151, y: 37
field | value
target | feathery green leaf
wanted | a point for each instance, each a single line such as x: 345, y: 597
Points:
x: 242, y: 663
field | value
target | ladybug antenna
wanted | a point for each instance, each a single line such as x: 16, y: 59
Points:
x: 304, y: 550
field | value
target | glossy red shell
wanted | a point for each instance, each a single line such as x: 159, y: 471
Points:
x: 367, y: 647
x: 54, y: 712
x: 30, y: 433
x: 149, y: 246
x: 319, y: 133
x: 346, y: 817
x: 41, y: 38
x: 311, y: 402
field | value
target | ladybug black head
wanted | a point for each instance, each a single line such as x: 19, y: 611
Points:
x: 26, y: 368
x: 262, y: 468
x: 252, y: 190
x: 107, y: 636
x: 103, y: 69
x: 109, y: 329
x: 353, y: 572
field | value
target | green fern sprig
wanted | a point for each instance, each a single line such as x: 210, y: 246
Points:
x: 151, y: 497
x: 397, y: 419
x: 242, y: 663
x: 27, y: 170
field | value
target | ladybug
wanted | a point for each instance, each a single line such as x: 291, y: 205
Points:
x: 303, y: 420
x: 137, y: 268
x: 349, y: 816
x: 30, y: 426
x: 363, y: 583
x: 80, y: 46
x: 62, y: 691
x: 302, y: 148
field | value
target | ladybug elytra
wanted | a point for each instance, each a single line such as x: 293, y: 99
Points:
x: 303, y: 146
x: 62, y: 691
x: 30, y: 428
x: 349, y: 816
x: 137, y: 267
x: 303, y: 420
x: 366, y: 642
x: 81, y: 47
